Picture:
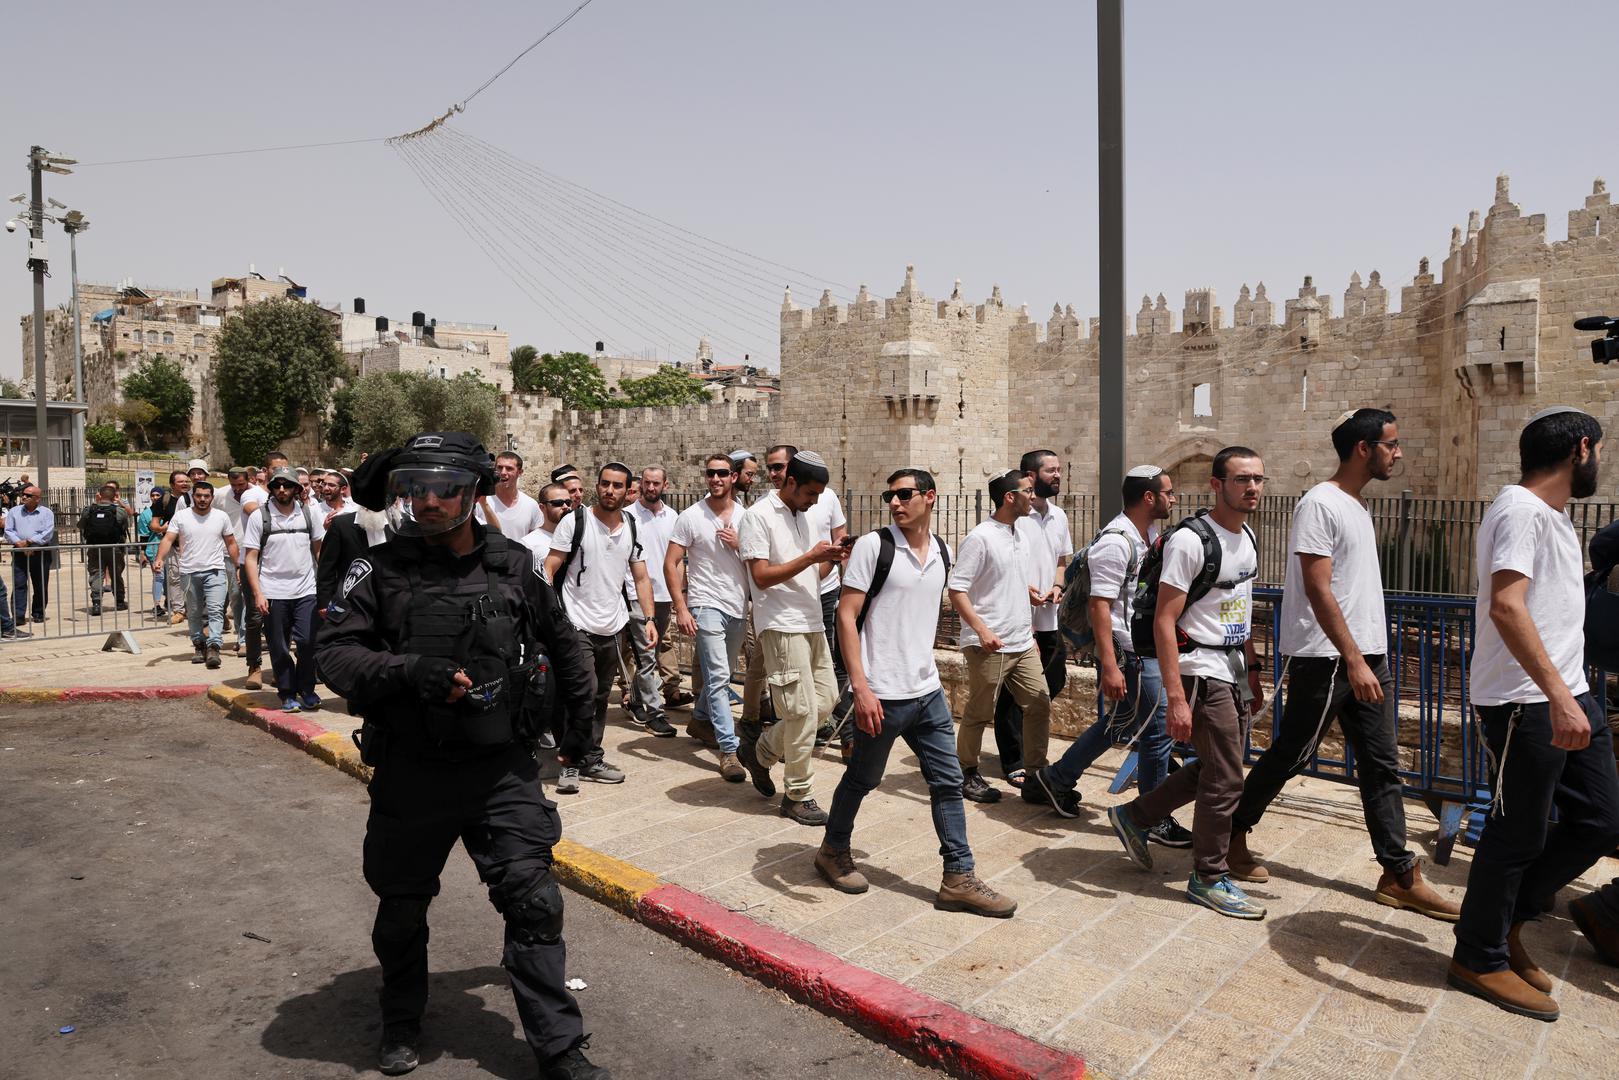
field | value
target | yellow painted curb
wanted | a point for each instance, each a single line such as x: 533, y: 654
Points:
x: 601, y: 877
x: 18, y: 695
x: 337, y: 749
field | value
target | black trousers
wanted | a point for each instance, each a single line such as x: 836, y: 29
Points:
x: 105, y: 561
x: 494, y: 806
x: 1009, y: 715
x: 1522, y: 858
x: 1318, y: 692
x: 604, y: 649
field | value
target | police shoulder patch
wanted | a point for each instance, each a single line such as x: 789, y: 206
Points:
x: 358, y: 571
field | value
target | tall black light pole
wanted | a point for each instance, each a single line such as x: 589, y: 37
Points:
x: 40, y: 161
x: 1110, y: 250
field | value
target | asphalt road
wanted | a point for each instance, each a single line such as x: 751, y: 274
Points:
x: 142, y: 842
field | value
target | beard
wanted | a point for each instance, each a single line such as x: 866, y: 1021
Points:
x: 1043, y: 489
x: 1584, y: 484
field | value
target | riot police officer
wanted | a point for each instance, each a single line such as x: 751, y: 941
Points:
x: 442, y: 639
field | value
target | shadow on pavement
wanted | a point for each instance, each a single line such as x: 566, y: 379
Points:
x: 1312, y: 942
x: 339, y: 1023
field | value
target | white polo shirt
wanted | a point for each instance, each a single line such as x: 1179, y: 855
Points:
x: 774, y: 532
x: 827, y: 514
x: 593, y: 593
x: 517, y: 520
x: 715, y: 574
x: 990, y: 568
x: 1053, y: 525
x: 286, y: 565
x: 896, y: 643
x: 655, y: 530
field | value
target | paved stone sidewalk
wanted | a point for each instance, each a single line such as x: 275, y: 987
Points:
x: 1102, y: 958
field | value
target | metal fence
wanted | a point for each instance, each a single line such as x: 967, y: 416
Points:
x: 70, y: 607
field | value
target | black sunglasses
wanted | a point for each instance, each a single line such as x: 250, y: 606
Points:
x: 288, y: 484
x: 777, y: 467
x: 904, y: 495
x: 559, y: 503
x: 716, y: 472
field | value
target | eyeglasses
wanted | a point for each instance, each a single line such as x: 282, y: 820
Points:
x: 1392, y: 444
x: 780, y: 466
x: 904, y: 495
x: 1247, y: 481
x: 716, y: 472
x: 559, y: 503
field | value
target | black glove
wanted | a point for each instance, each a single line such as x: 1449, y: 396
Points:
x: 432, y: 677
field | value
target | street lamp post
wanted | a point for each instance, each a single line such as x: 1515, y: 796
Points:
x: 41, y: 161
x: 74, y: 223
x: 1110, y: 249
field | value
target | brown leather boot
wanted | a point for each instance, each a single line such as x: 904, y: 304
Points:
x: 255, y: 679
x: 966, y: 892
x: 1416, y: 895
x: 1519, y: 961
x: 731, y: 769
x: 703, y: 732
x: 838, y: 868
x: 1240, y: 862
x: 1598, y: 929
x: 1505, y: 990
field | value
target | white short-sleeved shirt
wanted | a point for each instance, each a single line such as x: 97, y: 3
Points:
x: 286, y: 565
x: 1054, y: 527
x: 1521, y: 532
x: 225, y: 499
x: 517, y: 520
x: 896, y: 643
x: 1329, y: 521
x: 317, y: 506
x: 1109, y: 561
x: 1222, y: 616
x: 201, y: 539
x: 539, y: 542
x: 774, y: 532
x: 715, y: 574
x: 1041, y: 566
x: 593, y: 593
x: 991, y: 568
x: 827, y: 514
x: 654, y: 531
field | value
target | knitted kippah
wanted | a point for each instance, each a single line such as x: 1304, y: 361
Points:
x: 810, y: 457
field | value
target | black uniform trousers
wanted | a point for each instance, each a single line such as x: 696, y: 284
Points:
x: 1009, y: 714
x: 494, y: 806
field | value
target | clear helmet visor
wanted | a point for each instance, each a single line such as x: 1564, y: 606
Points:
x: 426, y: 500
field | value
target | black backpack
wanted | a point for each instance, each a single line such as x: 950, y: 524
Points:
x: 101, y: 525
x: 267, y: 527
x: 885, y: 563
x: 578, y: 542
x: 1146, y: 599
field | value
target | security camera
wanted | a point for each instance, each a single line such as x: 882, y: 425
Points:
x: 11, y: 226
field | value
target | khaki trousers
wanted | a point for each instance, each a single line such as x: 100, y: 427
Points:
x: 803, y: 689
x: 1021, y: 675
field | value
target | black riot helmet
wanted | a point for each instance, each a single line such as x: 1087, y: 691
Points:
x: 428, y: 486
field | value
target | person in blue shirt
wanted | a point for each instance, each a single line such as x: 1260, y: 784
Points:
x: 150, y: 539
x: 30, y: 525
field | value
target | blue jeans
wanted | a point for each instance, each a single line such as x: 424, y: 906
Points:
x: 1142, y: 708
x: 292, y: 621
x: 1521, y: 859
x: 925, y: 725
x: 719, y: 640
x: 157, y: 587
x: 205, y: 606
x: 8, y: 625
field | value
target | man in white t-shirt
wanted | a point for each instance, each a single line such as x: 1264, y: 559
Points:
x: 1549, y: 740
x: 1130, y: 698
x: 516, y: 514
x: 1334, y: 636
x: 283, y: 541
x: 657, y: 681
x: 207, y: 546
x: 784, y: 557
x: 1202, y: 634
x: 554, y: 505
x: 708, y: 587
x: 589, y: 579
x: 888, y: 616
x: 989, y: 586
x: 1047, y: 523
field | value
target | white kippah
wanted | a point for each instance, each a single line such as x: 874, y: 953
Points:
x: 1144, y: 472
x: 1553, y: 411
x: 1344, y: 419
x: 809, y: 457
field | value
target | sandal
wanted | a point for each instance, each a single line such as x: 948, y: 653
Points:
x: 1015, y: 778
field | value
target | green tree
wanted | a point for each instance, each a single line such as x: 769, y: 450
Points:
x: 340, y: 433
x: 275, y: 363
x: 523, y: 358
x: 105, y: 439
x: 389, y: 407
x: 162, y: 383
x: 10, y: 389
x: 138, y: 414
x: 666, y: 386
x: 570, y: 376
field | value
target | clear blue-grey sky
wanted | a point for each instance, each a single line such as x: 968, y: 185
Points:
x: 1265, y: 141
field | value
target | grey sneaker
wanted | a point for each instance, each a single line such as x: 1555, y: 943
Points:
x: 807, y: 812
x: 1223, y: 895
x: 1131, y: 835
x: 602, y: 773
x: 398, y: 1054
x: 568, y: 781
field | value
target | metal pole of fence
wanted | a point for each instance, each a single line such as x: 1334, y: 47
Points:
x: 1404, y: 542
